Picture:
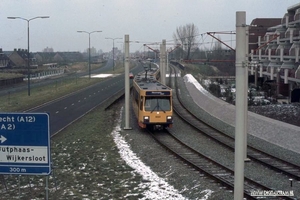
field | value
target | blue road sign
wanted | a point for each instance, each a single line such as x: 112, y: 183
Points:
x: 25, y: 144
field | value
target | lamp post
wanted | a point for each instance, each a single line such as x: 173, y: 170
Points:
x: 28, y: 53
x: 89, y: 47
x: 114, y: 50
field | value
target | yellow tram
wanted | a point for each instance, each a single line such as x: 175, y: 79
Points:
x: 152, y: 101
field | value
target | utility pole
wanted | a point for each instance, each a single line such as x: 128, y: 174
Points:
x: 240, y: 105
x: 163, y: 62
x: 89, y: 48
x: 113, y: 39
x: 246, y: 94
x: 127, y: 86
x: 28, y: 52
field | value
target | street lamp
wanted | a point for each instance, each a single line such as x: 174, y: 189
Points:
x: 89, y: 47
x: 28, y: 53
x: 114, y: 50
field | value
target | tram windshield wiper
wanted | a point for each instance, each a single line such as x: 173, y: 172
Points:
x: 157, y: 106
x: 160, y: 107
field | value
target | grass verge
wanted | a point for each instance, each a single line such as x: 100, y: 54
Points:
x: 20, y: 101
x: 87, y: 164
x: 13, y: 102
x: 86, y: 160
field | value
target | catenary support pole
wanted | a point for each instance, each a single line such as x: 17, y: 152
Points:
x: 161, y: 62
x: 163, y: 68
x: 246, y: 94
x: 28, y: 59
x: 89, y: 56
x: 240, y: 105
x: 167, y: 57
x: 127, y: 86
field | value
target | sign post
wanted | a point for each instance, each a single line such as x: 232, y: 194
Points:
x: 25, y: 144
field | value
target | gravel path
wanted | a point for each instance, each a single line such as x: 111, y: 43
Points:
x: 192, y: 184
x: 221, y: 115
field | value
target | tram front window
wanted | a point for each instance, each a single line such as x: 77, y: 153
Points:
x: 157, y: 104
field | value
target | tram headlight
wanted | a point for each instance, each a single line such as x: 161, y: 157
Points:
x: 169, y: 119
x: 146, y: 119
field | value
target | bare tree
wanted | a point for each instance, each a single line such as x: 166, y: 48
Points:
x: 217, y: 49
x: 217, y: 45
x: 186, y: 36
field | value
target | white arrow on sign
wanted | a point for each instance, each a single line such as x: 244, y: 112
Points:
x: 2, y: 139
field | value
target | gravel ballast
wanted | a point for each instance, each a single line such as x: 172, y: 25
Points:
x: 186, y: 179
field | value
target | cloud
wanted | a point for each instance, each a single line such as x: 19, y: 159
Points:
x: 143, y: 20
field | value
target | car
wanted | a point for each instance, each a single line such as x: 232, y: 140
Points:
x: 131, y: 76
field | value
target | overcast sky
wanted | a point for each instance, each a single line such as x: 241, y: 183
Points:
x: 146, y: 21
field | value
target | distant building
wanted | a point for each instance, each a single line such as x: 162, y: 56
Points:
x: 19, y: 59
x: 259, y: 27
x: 275, y: 53
x: 72, y: 56
x: 58, y: 57
x: 44, y: 57
x: 4, y: 60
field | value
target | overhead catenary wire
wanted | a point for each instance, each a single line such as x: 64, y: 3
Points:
x: 174, y: 43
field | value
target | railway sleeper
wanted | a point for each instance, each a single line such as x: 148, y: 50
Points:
x: 280, y: 165
x: 205, y: 164
x: 294, y: 170
x: 225, y: 174
x: 217, y: 171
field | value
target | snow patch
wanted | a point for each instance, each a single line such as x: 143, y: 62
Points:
x: 158, y: 187
x: 190, y: 79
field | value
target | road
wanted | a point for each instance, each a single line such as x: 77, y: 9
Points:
x: 16, y: 88
x: 65, y: 110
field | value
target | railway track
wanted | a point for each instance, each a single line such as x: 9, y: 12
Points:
x: 206, y: 165
x: 273, y: 162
